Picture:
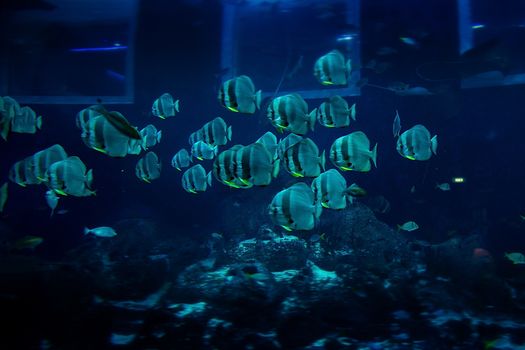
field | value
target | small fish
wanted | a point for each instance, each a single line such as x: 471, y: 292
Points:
x: 396, y: 127
x: 181, y: 159
x: 102, y: 231
x: 443, y: 187
x: 330, y: 190
x: 52, y: 200
x: 408, y: 226
x: 332, y: 69
x: 28, y: 242
x: 165, y: 106
x: 202, y: 150
x: 118, y: 121
x: 356, y: 191
x: 70, y: 177
x: 409, y: 41
x: 416, y: 143
x: 239, y: 95
x: 148, y: 168
x: 316, y: 238
x: 195, y: 179
x: 516, y: 258
x: 3, y: 196
x: 480, y: 253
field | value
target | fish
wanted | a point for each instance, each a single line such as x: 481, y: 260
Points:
x: 22, y: 173
x: 255, y: 165
x: 516, y: 258
x: 215, y: 132
x: 195, y: 179
x: 148, y: 167
x: 225, y: 168
x: 356, y: 191
x: 332, y: 69
x: 396, y: 127
x: 269, y: 140
x: 85, y: 115
x: 195, y: 136
x: 294, y: 208
x: 181, y: 159
x: 9, y: 107
x: 335, y: 113
x: 165, y: 106
x: 238, y: 95
x: 201, y: 150
x: 42, y: 160
x: 330, y: 190
x: 409, y: 41
x: 352, y: 152
x: 408, y: 226
x: 286, y: 143
x: 3, y: 196
x: 70, y: 177
x: 416, y: 143
x: 302, y: 159
x: 150, y: 136
x: 28, y: 242
x: 290, y: 113
x: 102, y: 231
x: 102, y: 136
x: 51, y: 200
x: 26, y: 121
x: 120, y: 123
x: 443, y: 187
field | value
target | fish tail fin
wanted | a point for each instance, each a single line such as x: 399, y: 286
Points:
x: 39, y: 122
x: 374, y: 155
x: 229, y: 133
x: 159, y: 136
x: 348, y: 67
x: 89, y: 177
x: 177, y: 106
x: 208, y: 179
x: 258, y: 97
x: 86, y: 230
x: 352, y: 112
x: 276, y: 168
x: 215, y: 150
x: 322, y: 160
x: 311, y: 118
x: 434, y: 144
x: 5, y: 130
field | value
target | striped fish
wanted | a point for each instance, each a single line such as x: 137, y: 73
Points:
x: 165, y: 106
x: 335, y: 113
x: 294, y: 208
x: 239, y: 95
x: 181, y: 159
x: 330, y: 190
x: 290, y: 113
x: 352, y: 152
x: 255, y: 165
x: 302, y: 159
x: 148, y: 167
x: 195, y: 179
x: 331, y: 69
x: 416, y: 144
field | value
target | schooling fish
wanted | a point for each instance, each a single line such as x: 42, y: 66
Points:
x: 352, y: 152
x: 416, y: 143
x: 102, y: 231
x: 118, y: 121
x: 165, y: 106
x: 331, y: 69
x: 239, y: 95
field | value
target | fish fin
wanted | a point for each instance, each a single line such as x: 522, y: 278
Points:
x: 39, y: 122
x: 177, y: 169
x: 325, y: 205
x: 215, y: 150
x: 246, y: 182
x: 258, y: 98
x: 61, y: 192
x: 5, y: 130
x: 86, y: 230
x: 89, y: 177
x: 162, y: 117
x: 322, y: 160
x: 352, y: 112
x: 287, y: 228
x: 101, y: 150
x: 434, y: 144
x: 192, y: 191
x: 344, y: 168
x: 177, y: 106
x: 159, y: 136
x: 410, y: 157
x: 311, y: 117
x: 348, y: 67
x: 233, y: 109
x: 276, y: 168
x: 326, y: 82
x: 208, y: 179
x: 374, y: 155
x: 199, y: 158
x: 146, y: 180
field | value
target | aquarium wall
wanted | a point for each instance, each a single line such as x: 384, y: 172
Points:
x: 69, y: 52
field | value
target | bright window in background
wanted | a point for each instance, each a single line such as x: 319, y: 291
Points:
x: 72, y: 53
x: 276, y: 43
x: 502, y: 23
